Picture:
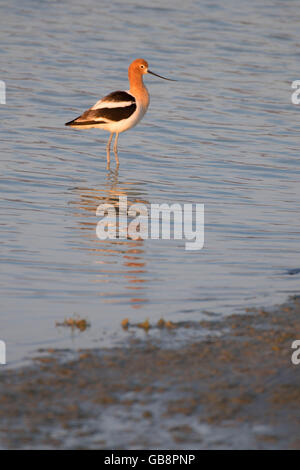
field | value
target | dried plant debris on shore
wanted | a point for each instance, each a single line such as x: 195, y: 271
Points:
x: 146, y: 325
x: 75, y: 323
x: 236, y: 390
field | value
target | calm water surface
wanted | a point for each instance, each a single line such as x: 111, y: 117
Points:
x: 226, y: 135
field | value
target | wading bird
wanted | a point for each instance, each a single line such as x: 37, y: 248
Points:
x: 120, y: 110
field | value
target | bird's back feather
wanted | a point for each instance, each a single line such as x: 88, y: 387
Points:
x: 114, y: 107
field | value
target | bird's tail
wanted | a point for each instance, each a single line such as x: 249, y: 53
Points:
x: 71, y: 123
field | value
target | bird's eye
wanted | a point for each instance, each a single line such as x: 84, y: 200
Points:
x: 142, y: 66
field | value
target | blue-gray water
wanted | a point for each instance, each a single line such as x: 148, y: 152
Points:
x: 225, y: 134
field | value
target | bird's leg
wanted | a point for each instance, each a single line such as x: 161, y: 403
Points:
x: 116, y: 148
x: 108, y: 149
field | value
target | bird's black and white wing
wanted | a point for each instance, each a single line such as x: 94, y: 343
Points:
x: 110, y: 109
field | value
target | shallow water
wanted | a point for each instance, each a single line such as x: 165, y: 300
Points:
x: 226, y: 135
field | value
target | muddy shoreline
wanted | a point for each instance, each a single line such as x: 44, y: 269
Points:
x: 235, y: 388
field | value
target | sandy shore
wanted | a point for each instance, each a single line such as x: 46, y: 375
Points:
x: 233, y: 388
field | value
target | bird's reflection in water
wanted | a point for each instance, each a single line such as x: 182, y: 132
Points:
x: 119, y: 260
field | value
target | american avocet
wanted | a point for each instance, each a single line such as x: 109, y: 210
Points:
x: 120, y: 110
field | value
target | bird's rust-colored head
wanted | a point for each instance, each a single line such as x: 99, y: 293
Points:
x: 139, y: 67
